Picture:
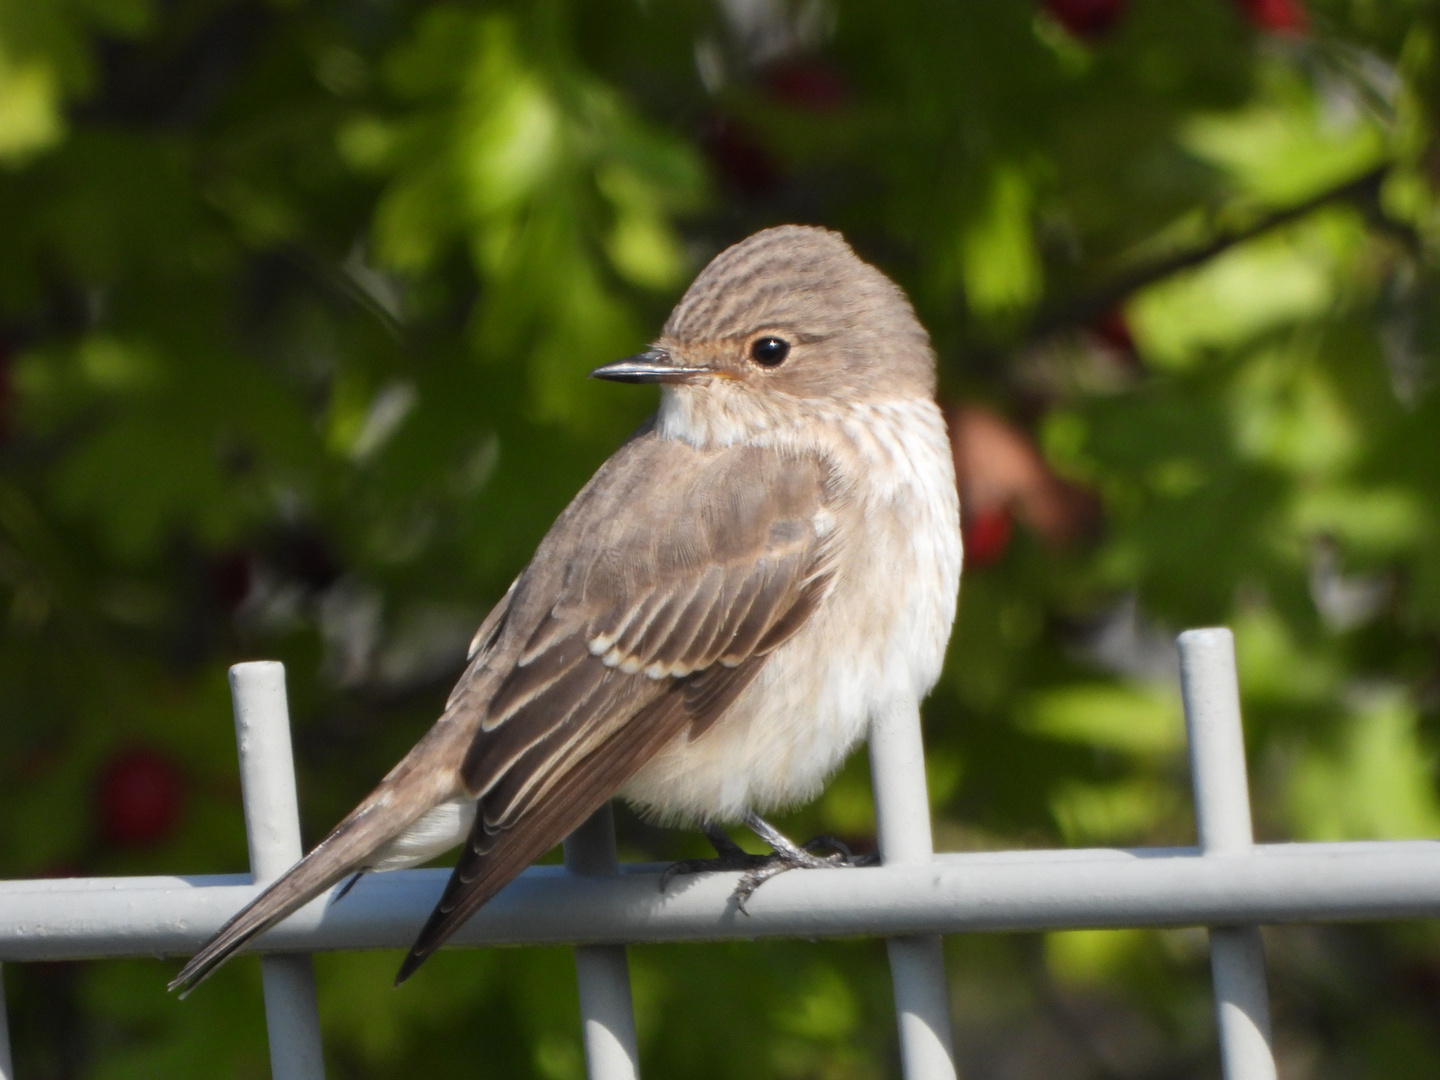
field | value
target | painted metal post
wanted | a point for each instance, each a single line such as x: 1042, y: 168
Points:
x: 272, y: 829
x: 917, y: 964
x: 1222, y: 817
x: 602, y: 971
x: 7, y: 1066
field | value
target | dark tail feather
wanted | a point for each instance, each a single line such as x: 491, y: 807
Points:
x: 340, y: 853
x: 501, y: 860
x: 490, y: 861
x: 302, y: 883
x: 422, y: 779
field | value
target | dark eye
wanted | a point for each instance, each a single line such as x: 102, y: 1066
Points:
x: 769, y: 351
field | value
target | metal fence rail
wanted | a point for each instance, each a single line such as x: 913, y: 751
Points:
x: 1227, y: 883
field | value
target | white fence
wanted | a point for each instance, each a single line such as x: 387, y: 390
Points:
x: 1227, y: 883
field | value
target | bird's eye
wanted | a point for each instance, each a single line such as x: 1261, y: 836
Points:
x: 769, y: 351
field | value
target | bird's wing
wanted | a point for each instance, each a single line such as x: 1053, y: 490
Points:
x: 652, y: 603
x: 648, y: 607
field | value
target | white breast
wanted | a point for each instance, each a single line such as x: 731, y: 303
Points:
x: 878, y: 639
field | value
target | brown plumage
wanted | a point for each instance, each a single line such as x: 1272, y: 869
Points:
x: 701, y: 550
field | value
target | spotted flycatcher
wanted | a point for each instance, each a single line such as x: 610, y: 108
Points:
x: 768, y: 563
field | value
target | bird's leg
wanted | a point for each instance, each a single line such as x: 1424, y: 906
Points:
x: 799, y: 854
x: 728, y: 856
x: 758, y: 869
x: 804, y: 854
x: 724, y: 847
x: 791, y: 856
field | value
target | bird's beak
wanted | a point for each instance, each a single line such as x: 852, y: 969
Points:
x: 651, y: 366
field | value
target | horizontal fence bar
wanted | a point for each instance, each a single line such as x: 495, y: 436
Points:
x: 66, y: 919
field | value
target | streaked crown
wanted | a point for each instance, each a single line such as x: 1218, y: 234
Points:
x: 794, y: 309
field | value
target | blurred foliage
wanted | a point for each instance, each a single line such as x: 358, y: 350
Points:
x: 296, y: 301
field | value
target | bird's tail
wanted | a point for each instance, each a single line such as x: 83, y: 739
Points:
x: 396, y: 804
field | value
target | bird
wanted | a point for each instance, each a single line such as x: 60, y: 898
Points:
x: 768, y: 563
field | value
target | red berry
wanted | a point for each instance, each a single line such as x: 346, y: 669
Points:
x: 739, y: 159
x: 1277, y: 16
x: 986, y: 536
x: 139, y: 797
x: 1086, y: 18
x: 806, y: 83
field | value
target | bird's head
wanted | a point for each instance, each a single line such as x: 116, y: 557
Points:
x: 785, y: 324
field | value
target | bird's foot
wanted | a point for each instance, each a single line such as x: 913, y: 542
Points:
x: 729, y: 856
x: 758, y: 869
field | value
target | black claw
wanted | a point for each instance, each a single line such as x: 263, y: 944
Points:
x: 740, y: 860
x: 754, y: 878
x: 825, y: 840
x: 687, y: 866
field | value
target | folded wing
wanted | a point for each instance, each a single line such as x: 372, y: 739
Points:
x: 651, y: 605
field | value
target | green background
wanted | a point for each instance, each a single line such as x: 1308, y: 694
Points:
x: 296, y: 304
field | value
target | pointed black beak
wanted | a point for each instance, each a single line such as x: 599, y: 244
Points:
x: 652, y: 366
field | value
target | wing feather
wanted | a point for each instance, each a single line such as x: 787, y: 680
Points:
x: 693, y: 563
x: 772, y: 578
x: 677, y: 653
x: 660, y: 635
x: 554, y: 627
x: 645, y: 613
x: 524, y: 684
x: 625, y: 653
x: 490, y: 759
x: 742, y: 590
x: 492, y: 859
x: 546, y: 760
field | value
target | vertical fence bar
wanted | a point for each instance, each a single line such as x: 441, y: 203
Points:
x: 917, y: 964
x: 7, y: 1065
x: 606, y: 1012
x: 272, y: 829
x: 1222, y: 816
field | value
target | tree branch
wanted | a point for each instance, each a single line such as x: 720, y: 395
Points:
x: 1086, y: 308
